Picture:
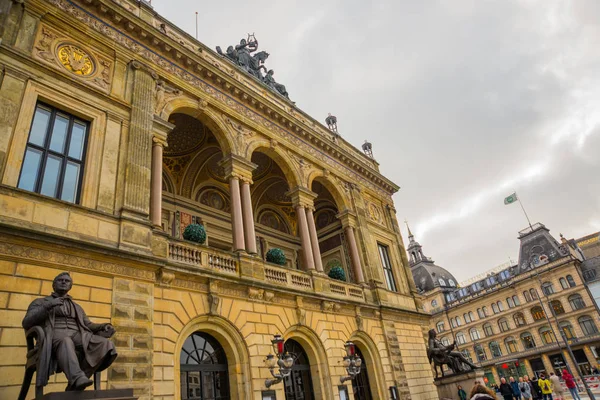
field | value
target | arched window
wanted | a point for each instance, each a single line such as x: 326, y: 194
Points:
x: 495, y: 349
x: 537, y: 313
x: 442, y: 282
x: 485, y: 311
x: 474, y: 333
x: 557, y: 307
x: 298, y: 385
x: 494, y: 308
x: 467, y: 354
x: 576, y: 302
x: 439, y: 327
x: 461, y: 338
x: 488, y: 330
x: 467, y: 318
x: 567, y: 329
x: 527, y: 340
x: 433, y: 303
x: 511, y: 344
x: 510, y: 302
x: 533, y: 293
x: 480, y: 313
x: 503, y: 325
x: 563, y: 283
x: 204, y: 371
x: 547, y: 335
x: 452, y: 283
x: 587, y: 325
x: 360, y: 383
x: 519, y: 319
x: 548, y: 288
x: 571, y: 281
x: 516, y: 300
x: 527, y: 296
x: 453, y: 322
x: 480, y: 353
x: 471, y: 316
x: 500, y: 305
x: 445, y: 341
x: 458, y: 322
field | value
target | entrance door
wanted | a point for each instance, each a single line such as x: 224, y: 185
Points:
x: 204, y: 372
x: 360, y: 383
x: 298, y: 386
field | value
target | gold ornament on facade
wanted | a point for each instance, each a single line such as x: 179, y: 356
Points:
x: 76, y: 60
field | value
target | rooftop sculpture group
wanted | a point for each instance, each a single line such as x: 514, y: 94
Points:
x: 253, y: 64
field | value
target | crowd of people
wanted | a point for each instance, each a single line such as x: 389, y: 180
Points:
x: 544, y: 388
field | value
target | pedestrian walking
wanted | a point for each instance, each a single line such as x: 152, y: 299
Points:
x: 557, y: 389
x: 525, y: 388
x: 546, y: 387
x: 462, y: 395
x: 536, y: 391
x: 515, y: 388
x: 480, y: 392
x: 506, y: 390
x: 571, y: 385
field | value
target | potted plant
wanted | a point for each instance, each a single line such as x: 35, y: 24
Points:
x: 195, y: 233
x: 276, y: 256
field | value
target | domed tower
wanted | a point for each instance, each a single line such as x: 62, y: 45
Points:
x: 426, y: 274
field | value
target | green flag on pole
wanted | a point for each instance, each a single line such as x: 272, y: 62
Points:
x: 511, y: 199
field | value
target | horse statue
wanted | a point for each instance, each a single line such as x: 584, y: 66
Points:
x: 441, y: 355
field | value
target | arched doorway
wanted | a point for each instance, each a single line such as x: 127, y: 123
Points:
x: 360, y: 383
x: 298, y: 385
x: 203, y: 369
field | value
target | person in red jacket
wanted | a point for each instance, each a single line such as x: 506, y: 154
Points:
x: 571, y: 385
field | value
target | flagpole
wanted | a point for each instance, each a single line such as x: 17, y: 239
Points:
x: 524, y: 212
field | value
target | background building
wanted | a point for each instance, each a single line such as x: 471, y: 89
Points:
x: 117, y: 130
x: 508, y: 319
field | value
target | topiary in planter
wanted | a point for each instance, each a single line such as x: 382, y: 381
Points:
x: 276, y: 256
x: 195, y: 233
x: 338, y: 273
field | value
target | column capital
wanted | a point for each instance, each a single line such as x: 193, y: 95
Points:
x: 237, y: 167
x: 301, y: 196
x: 347, y: 218
x: 160, y: 130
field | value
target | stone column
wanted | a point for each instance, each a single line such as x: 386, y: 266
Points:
x: 237, y: 224
x: 138, y: 168
x: 307, y: 251
x: 249, y: 232
x: 314, y: 239
x: 354, y: 256
x: 527, y: 367
x: 156, y: 196
x: 547, y: 364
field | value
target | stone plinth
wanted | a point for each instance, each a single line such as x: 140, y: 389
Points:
x: 447, y: 386
x: 115, y: 394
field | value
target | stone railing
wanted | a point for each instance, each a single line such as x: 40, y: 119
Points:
x: 347, y: 290
x: 203, y: 256
x: 287, y: 277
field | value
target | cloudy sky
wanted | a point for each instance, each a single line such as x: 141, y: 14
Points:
x: 464, y: 102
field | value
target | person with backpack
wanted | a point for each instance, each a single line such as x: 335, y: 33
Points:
x: 506, y: 390
x: 571, y: 385
x: 462, y: 395
x: 515, y: 388
x: 524, y: 388
x: 546, y: 387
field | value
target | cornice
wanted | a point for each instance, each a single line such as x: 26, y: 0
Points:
x: 203, y: 69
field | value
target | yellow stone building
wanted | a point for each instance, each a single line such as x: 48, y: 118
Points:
x: 117, y: 131
x: 507, y: 320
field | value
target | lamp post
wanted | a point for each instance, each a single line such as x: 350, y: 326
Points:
x: 282, y: 361
x: 352, y: 362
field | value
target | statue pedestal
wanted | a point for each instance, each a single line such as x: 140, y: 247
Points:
x: 447, y: 386
x: 114, y: 394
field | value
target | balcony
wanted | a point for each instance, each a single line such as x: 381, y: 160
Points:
x: 205, y: 259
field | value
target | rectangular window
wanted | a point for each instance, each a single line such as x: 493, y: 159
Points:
x: 55, y: 153
x: 387, y: 267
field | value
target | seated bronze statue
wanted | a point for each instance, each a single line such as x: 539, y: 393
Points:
x: 70, y: 342
x: 441, y: 355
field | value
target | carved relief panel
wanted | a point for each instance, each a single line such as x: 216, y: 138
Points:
x: 68, y: 56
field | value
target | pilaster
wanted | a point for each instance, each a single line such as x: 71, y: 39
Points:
x: 12, y: 89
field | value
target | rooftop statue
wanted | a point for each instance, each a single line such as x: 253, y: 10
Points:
x: 67, y: 332
x: 242, y: 55
x: 441, y: 354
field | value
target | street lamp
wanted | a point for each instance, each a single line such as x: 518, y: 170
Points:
x: 352, y: 362
x: 282, y: 361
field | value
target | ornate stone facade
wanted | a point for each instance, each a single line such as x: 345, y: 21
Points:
x: 173, y: 134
